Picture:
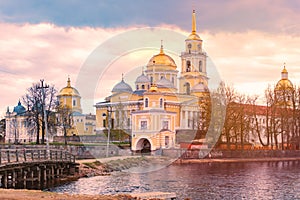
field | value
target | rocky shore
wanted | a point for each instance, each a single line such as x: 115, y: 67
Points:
x: 102, y: 168
x: 95, y: 168
x: 10, y: 194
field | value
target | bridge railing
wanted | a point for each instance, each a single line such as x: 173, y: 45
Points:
x: 34, y: 155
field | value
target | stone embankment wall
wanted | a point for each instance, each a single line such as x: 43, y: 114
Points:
x: 206, y: 153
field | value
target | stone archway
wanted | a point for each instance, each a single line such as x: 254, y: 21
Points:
x: 143, y: 145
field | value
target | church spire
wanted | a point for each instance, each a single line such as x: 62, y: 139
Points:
x: 194, y: 35
x: 161, y: 47
x: 194, y: 22
x: 69, y: 82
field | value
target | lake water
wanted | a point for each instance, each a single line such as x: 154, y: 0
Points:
x: 252, y: 180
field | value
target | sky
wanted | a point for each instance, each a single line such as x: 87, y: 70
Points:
x: 248, y: 41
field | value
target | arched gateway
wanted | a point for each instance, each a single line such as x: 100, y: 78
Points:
x: 143, y: 145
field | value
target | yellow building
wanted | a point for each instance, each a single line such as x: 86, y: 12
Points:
x: 162, y: 102
x: 70, y: 102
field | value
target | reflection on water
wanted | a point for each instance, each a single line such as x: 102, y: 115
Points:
x: 256, y: 180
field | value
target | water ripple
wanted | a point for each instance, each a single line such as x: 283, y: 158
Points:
x: 258, y: 180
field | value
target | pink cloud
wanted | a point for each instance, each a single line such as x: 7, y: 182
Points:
x: 30, y: 52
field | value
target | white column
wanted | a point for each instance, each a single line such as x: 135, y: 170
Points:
x: 186, y: 119
x: 181, y: 119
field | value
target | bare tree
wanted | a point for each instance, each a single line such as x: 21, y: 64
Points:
x: 36, y: 104
x: 64, y: 119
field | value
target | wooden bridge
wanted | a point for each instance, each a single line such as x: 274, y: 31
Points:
x: 23, y: 168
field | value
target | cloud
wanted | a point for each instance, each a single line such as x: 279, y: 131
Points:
x: 219, y: 15
x: 253, y: 57
x: 29, y: 52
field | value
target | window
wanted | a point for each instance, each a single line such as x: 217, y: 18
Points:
x: 165, y: 125
x: 146, y: 103
x: 104, y: 123
x: 199, y: 47
x: 189, y: 47
x: 128, y: 122
x: 112, y: 123
x: 137, y: 87
x: 167, y: 141
x: 161, y: 77
x: 200, y: 66
x: 74, y: 102
x: 173, y: 80
x: 188, y: 66
x: 151, y: 79
x: 188, y: 69
x: 187, y: 88
x: 143, y: 87
x: 161, y: 102
x: 143, y: 125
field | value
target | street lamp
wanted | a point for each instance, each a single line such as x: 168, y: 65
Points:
x: 109, y: 111
x: 44, y: 105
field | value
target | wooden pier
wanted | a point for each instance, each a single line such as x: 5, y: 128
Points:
x: 20, y: 168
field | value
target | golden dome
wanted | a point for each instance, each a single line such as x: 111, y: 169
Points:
x: 161, y: 59
x: 194, y: 36
x: 284, y: 84
x: 68, y: 91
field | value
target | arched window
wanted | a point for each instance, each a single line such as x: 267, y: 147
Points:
x: 188, y: 66
x: 161, y: 102
x: 200, y: 66
x: 146, y: 102
x: 151, y: 79
x: 189, y: 47
x: 143, y: 87
x: 173, y: 80
x: 187, y: 88
x: 137, y: 87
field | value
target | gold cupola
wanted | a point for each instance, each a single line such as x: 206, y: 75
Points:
x: 284, y: 83
x: 162, y: 59
x: 161, y: 66
x: 70, y: 97
x: 69, y: 90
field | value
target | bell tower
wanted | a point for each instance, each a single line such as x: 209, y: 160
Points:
x: 193, y: 62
